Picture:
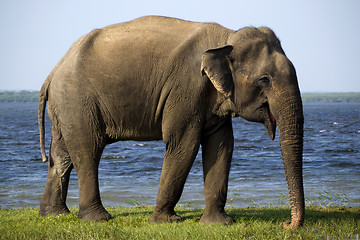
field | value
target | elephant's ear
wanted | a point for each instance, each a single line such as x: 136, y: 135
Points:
x: 215, y: 64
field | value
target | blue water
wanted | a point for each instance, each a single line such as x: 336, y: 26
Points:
x: 130, y: 171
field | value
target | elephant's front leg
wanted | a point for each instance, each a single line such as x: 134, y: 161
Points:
x: 179, y: 157
x: 217, y: 151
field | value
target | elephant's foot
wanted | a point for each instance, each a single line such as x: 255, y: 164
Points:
x: 57, y: 210
x: 164, y: 216
x: 216, y: 218
x: 94, y: 214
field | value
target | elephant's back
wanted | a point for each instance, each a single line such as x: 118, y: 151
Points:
x: 154, y: 34
x: 168, y: 28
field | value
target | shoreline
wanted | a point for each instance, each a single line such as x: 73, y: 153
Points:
x: 326, y: 97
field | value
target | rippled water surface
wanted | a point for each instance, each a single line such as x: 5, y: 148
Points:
x: 130, y: 171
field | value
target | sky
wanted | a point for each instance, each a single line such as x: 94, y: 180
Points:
x: 321, y: 38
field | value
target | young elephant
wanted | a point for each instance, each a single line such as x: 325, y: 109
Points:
x: 162, y: 78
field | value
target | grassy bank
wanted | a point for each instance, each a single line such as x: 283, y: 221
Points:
x: 132, y: 223
x: 331, y: 97
x: 19, y: 96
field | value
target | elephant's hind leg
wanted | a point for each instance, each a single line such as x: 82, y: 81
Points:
x: 91, y: 207
x: 53, y: 200
x: 85, y: 148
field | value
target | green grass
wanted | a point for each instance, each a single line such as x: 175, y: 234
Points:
x: 132, y: 223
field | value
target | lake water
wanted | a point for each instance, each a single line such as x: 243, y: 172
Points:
x: 130, y: 171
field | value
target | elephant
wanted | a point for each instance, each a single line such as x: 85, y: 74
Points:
x: 162, y: 78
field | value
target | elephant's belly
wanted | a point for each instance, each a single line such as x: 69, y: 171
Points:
x: 137, y: 133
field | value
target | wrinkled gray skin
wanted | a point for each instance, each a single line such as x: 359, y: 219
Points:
x: 161, y: 78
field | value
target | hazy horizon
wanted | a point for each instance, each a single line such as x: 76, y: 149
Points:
x: 319, y: 92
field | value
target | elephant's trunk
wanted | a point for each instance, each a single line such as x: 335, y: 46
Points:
x: 290, y: 121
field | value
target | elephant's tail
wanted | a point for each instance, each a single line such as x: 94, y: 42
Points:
x: 43, y: 97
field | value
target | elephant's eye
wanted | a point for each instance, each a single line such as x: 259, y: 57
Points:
x: 264, y: 81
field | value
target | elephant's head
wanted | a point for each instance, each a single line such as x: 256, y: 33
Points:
x: 258, y: 82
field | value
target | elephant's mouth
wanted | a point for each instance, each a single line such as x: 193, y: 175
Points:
x: 270, y: 121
